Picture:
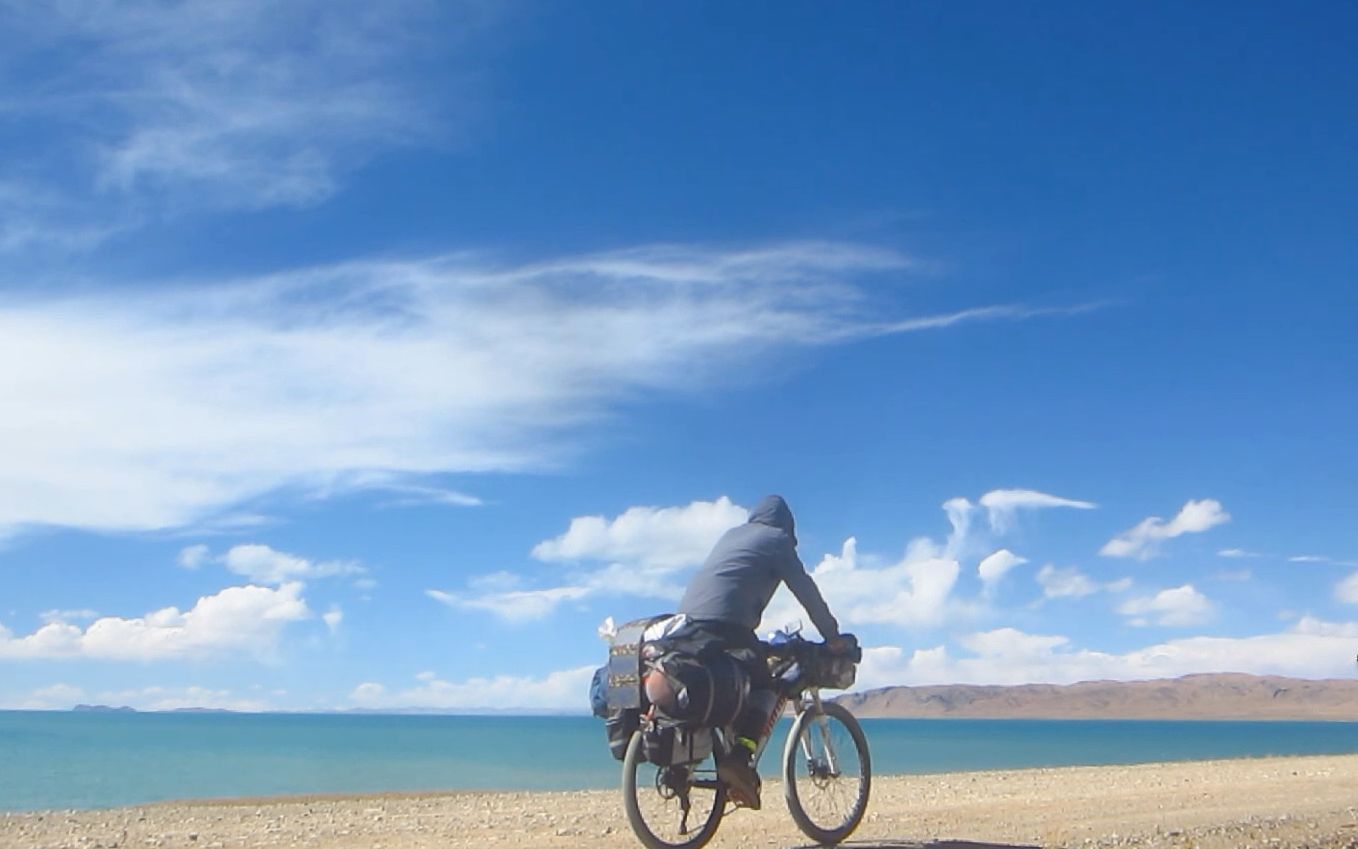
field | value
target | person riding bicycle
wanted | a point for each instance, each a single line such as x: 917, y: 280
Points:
x: 724, y: 603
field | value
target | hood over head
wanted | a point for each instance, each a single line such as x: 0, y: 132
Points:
x: 774, y: 512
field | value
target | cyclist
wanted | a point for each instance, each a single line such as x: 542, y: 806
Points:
x: 724, y: 603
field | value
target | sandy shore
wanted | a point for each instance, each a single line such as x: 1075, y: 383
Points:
x: 1272, y: 802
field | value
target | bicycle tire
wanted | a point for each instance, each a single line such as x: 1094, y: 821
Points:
x: 633, y: 792
x: 798, y: 789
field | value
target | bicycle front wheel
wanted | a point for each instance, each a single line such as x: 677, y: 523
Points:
x: 827, y: 773
x: 671, y: 807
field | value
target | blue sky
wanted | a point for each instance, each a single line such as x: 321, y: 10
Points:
x: 371, y: 357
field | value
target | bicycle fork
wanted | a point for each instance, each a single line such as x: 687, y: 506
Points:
x: 822, y: 725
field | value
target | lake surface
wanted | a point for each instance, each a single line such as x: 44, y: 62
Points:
x: 95, y: 760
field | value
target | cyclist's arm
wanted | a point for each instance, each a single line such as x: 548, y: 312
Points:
x: 808, y: 594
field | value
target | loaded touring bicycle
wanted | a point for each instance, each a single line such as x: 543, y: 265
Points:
x: 671, y: 792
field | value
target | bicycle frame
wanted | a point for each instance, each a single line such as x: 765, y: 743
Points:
x: 809, y: 699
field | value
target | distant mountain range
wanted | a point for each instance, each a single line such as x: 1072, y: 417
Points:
x: 1205, y: 696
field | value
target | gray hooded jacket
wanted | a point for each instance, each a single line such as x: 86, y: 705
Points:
x: 745, y: 568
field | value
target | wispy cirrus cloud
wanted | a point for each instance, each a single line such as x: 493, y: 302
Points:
x: 1003, y: 505
x: 236, y: 104
x: 1143, y: 541
x: 157, y: 408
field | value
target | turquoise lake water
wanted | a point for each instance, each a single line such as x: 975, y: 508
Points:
x: 90, y: 760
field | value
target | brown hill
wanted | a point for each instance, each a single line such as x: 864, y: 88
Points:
x: 1207, y: 696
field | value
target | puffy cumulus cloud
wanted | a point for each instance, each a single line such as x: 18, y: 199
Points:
x: 166, y: 405
x: 1176, y: 607
x: 1143, y: 541
x: 994, y: 566
x: 1002, y: 505
x: 1309, y: 649
x: 267, y: 566
x: 917, y: 591
x: 1070, y: 582
x: 562, y: 690
x: 238, y: 620
x: 1347, y: 589
x: 640, y: 552
x: 914, y: 592
x: 651, y: 538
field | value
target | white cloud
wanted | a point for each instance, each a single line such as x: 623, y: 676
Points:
x: 1347, y: 589
x: 193, y: 556
x: 1237, y: 552
x: 265, y: 565
x: 1176, y: 607
x: 67, y: 615
x: 1143, y: 541
x: 914, y: 592
x: 53, y: 697
x: 333, y: 618
x: 1310, y: 649
x: 659, y: 539
x: 643, y: 549
x: 1070, y: 582
x: 994, y: 566
x: 563, y: 690
x: 245, y: 104
x: 512, y: 605
x: 167, y: 405
x: 238, y: 620
x: 175, y: 698
x: 1003, y: 504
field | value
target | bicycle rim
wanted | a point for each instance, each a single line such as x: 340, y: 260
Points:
x: 653, y: 798
x: 827, y: 773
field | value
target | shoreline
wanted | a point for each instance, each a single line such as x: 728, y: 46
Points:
x: 325, y: 796
x: 1295, y: 801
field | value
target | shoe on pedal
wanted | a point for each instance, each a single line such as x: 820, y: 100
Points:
x: 741, y: 780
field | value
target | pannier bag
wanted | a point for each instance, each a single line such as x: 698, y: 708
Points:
x: 668, y: 743
x: 615, y: 690
x: 835, y: 671
x: 619, y: 727
x: 710, y: 692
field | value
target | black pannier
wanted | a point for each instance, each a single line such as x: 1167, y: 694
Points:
x: 619, y: 727
x: 666, y: 743
x: 709, y: 692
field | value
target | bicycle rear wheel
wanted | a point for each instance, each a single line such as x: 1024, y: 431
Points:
x: 671, y: 807
x: 827, y: 773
